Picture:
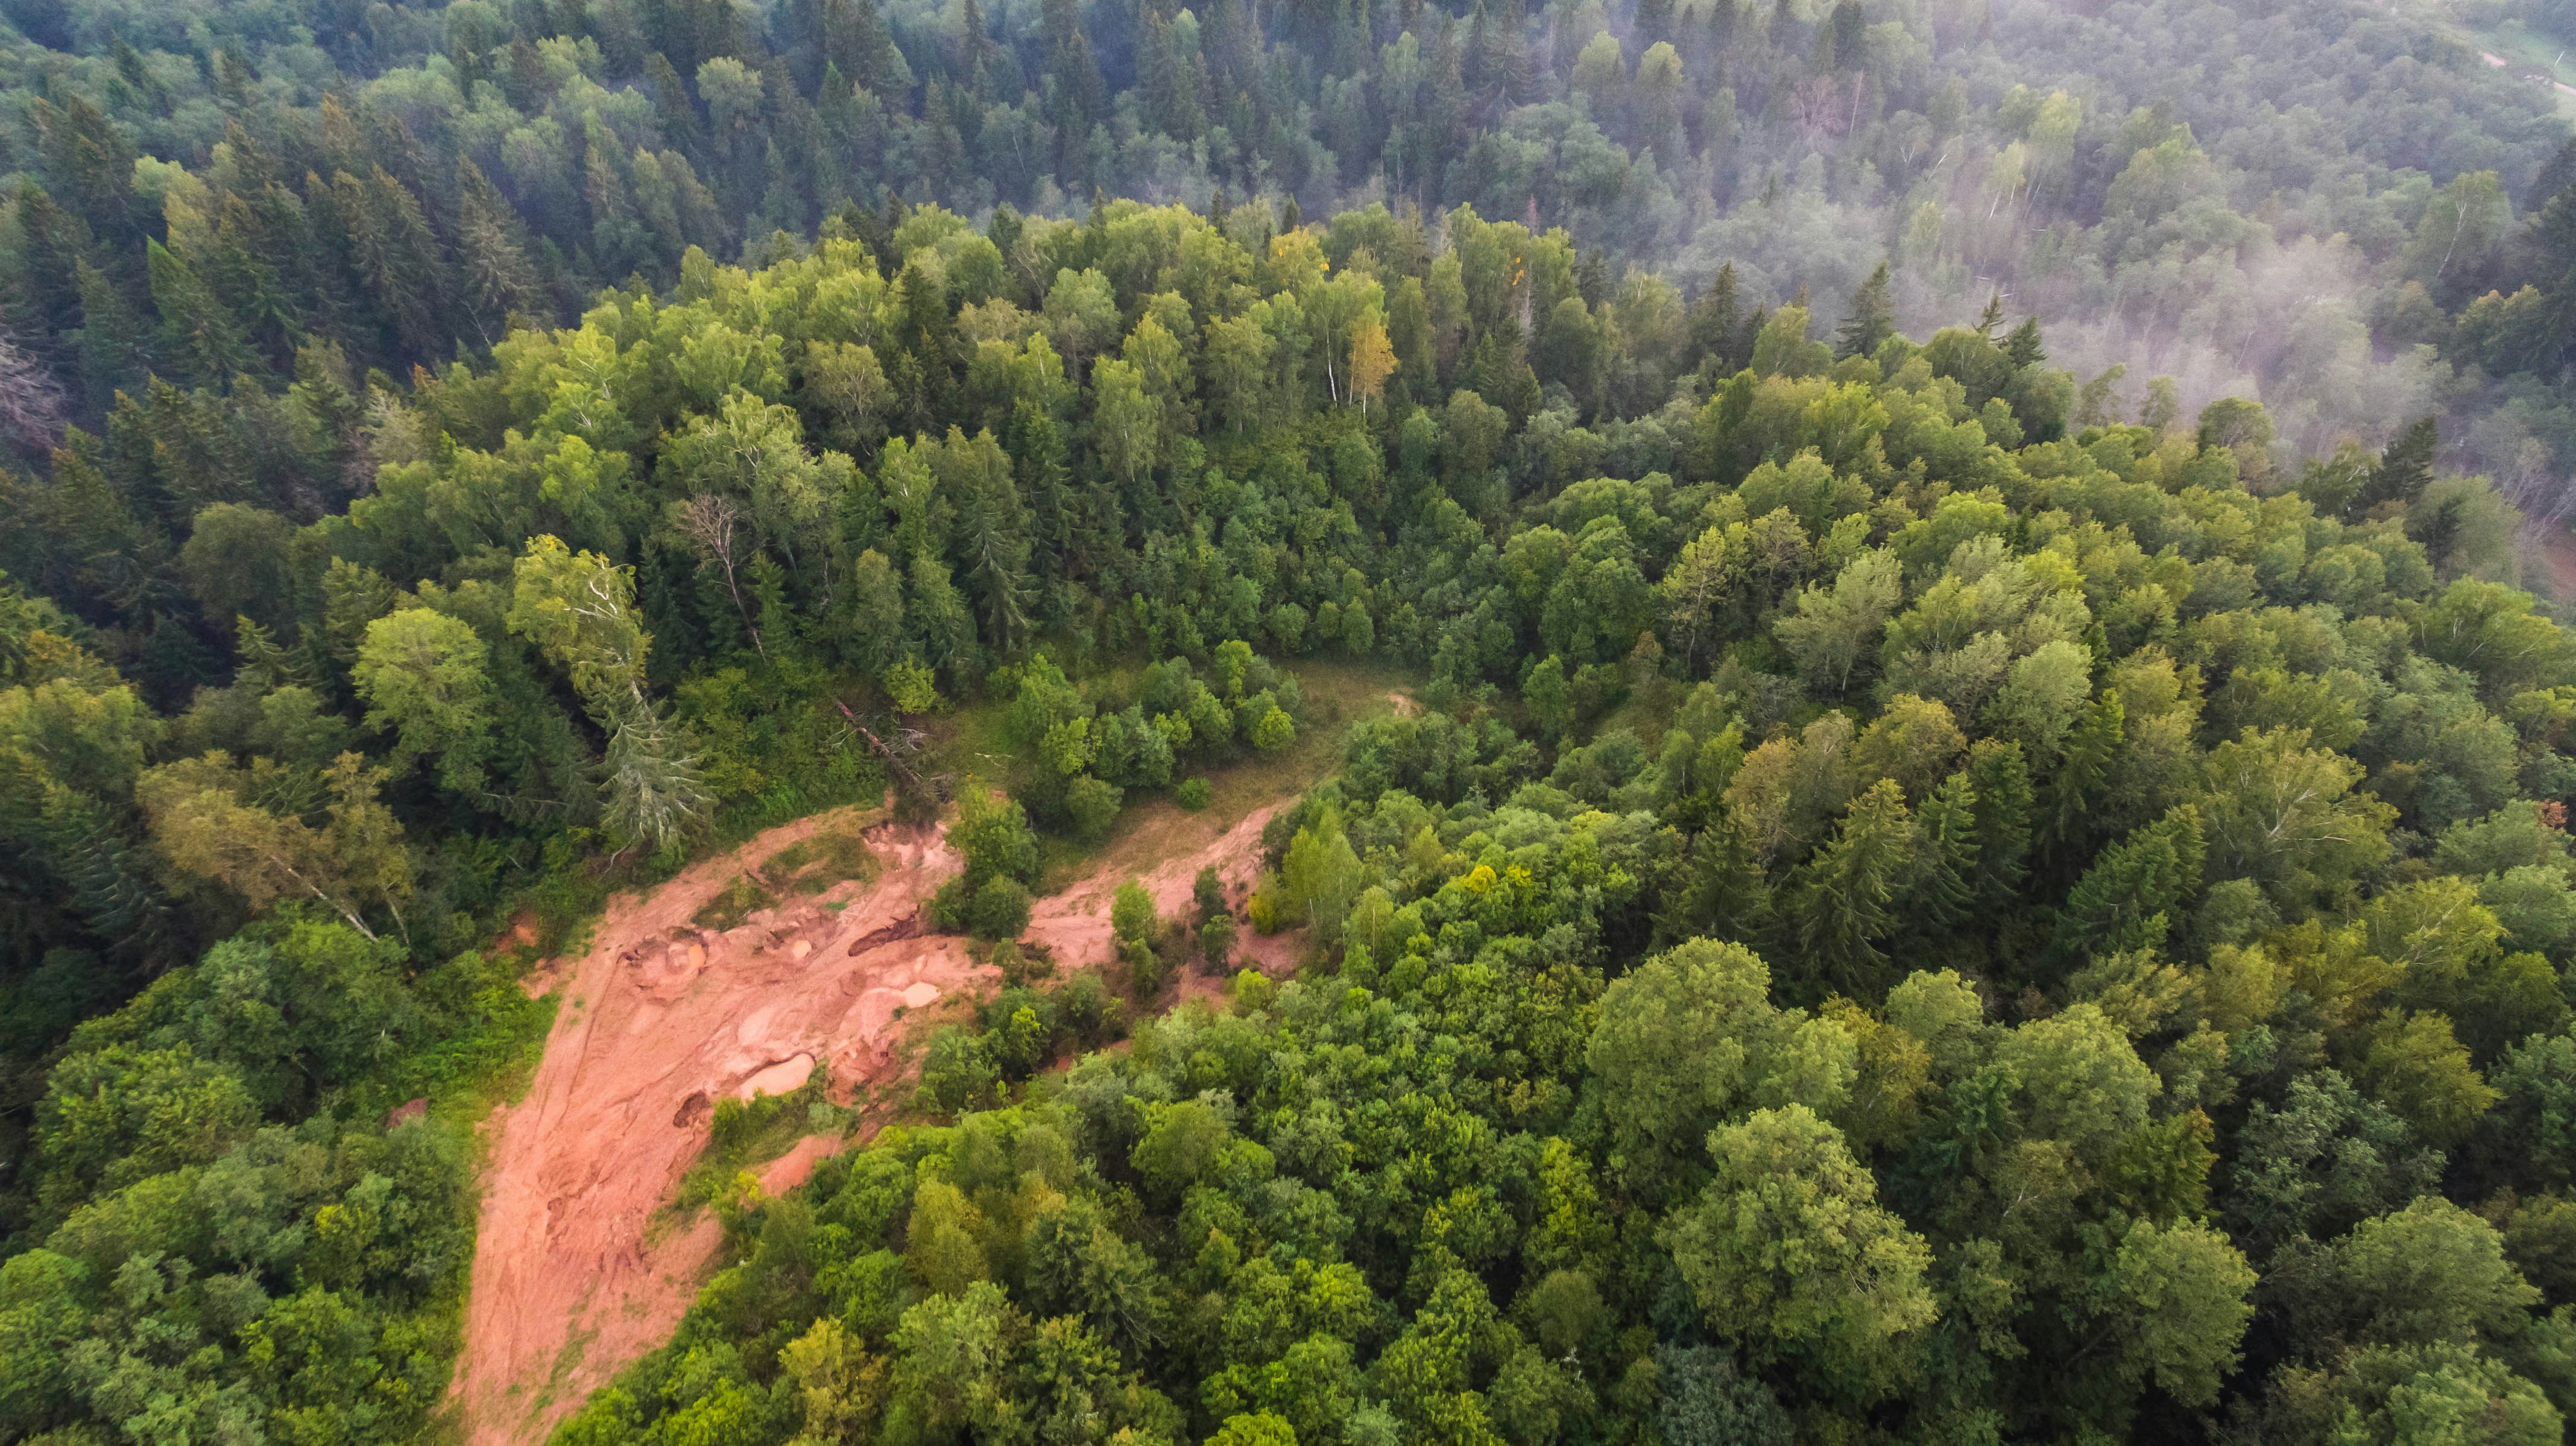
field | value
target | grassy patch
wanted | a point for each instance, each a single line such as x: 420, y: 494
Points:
x: 1154, y: 827
x: 733, y: 903
x: 814, y: 864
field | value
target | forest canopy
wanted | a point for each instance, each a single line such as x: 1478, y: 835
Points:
x: 1933, y: 893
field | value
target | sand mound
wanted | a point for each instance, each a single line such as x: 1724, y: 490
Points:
x: 660, y: 1019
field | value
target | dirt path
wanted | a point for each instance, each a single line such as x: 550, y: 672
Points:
x: 660, y: 1019
x: 2499, y: 62
x: 1075, y: 923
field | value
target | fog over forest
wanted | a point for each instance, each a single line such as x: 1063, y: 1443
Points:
x: 1287, y: 723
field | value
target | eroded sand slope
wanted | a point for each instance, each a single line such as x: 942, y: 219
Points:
x: 660, y: 1019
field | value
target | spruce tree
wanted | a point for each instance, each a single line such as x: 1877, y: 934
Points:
x: 1712, y: 323
x: 1943, y: 886
x: 1654, y: 22
x: 2403, y: 468
x: 2023, y: 347
x: 1872, y: 318
x: 2128, y: 899
x: 1843, y: 901
x: 2001, y: 778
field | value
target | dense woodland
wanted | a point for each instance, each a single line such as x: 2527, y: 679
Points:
x: 1942, y: 891
x: 2334, y: 205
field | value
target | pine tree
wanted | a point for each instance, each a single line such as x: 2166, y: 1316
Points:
x: 2403, y: 468
x: 1872, y: 319
x: 2001, y: 779
x: 1991, y: 317
x: 1844, y: 899
x: 2023, y: 347
x: 1713, y: 323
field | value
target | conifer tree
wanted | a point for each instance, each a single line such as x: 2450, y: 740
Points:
x: 1944, y: 884
x: 492, y: 264
x: 1843, y: 901
x: 2403, y: 468
x: 1872, y: 319
x: 2091, y: 747
x: 1991, y: 317
x: 2131, y: 895
x: 2004, y: 802
x: 1713, y: 330
x: 2023, y: 347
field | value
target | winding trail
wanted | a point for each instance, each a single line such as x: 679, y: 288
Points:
x: 660, y: 1019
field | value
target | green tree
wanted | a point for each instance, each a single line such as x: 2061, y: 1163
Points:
x: 1872, y: 319
x: 1844, y: 900
x: 1788, y: 1253
x: 1688, y: 1040
x: 208, y: 819
x: 425, y: 676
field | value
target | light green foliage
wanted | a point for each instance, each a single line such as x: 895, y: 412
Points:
x: 425, y: 678
x: 1690, y: 1040
x: 2203, y: 795
x: 1788, y: 1251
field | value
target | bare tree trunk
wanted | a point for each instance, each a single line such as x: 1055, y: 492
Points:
x: 710, y: 519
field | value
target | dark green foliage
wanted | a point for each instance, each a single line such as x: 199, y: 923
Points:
x: 2202, y: 880
x: 183, y: 1186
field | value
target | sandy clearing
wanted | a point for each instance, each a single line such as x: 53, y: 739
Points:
x: 1074, y: 924
x: 660, y: 1018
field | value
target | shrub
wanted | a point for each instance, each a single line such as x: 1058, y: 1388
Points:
x: 948, y: 906
x: 1093, y: 805
x: 1132, y: 916
x: 1144, y: 967
x: 999, y: 910
x: 912, y: 686
x: 958, y: 1071
x: 1193, y: 794
x: 1216, y: 941
x: 1093, y: 1014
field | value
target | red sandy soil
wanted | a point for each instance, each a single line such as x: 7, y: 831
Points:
x: 660, y: 1019
x: 1074, y: 925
